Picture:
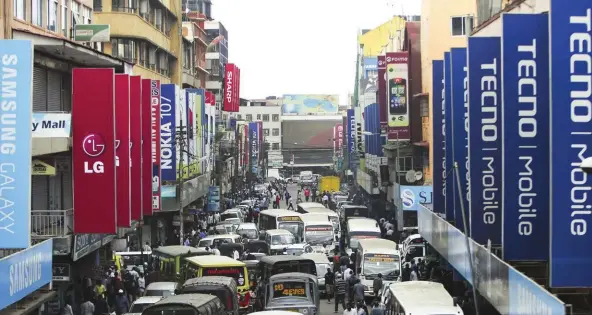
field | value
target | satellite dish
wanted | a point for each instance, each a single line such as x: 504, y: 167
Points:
x: 418, y: 175
x: 410, y: 176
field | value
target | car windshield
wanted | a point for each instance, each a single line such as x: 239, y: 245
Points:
x: 230, y: 215
x: 282, y: 239
x: 216, y: 241
x: 319, y: 234
x: 387, y: 265
x: 306, y: 177
x: 139, y: 308
x: 293, y: 227
x: 237, y: 273
x: 163, y: 293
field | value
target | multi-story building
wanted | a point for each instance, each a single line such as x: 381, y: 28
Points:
x: 194, y: 54
x: 216, y: 58
x: 204, y: 7
x: 270, y: 113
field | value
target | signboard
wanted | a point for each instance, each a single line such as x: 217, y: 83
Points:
x: 168, y: 131
x: 439, y: 136
x: 289, y: 219
x: 449, y: 159
x: 310, y: 104
x: 397, y: 86
x: 122, y: 150
x: 41, y: 168
x: 229, y: 87
x: 214, y: 198
x: 485, y: 152
x: 155, y: 142
x: 525, y: 145
x: 414, y: 196
x: 61, y: 272
x: 51, y: 125
x: 92, y: 32
x: 146, y: 147
x: 85, y: 244
x: 571, y: 135
x: 382, y: 103
x: 136, y: 146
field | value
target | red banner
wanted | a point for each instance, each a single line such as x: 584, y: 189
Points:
x: 229, y: 87
x: 338, y: 137
x: 155, y: 142
x: 236, y: 89
x: 122, y: 151
x: 146, y: 148
x: 210, y: 98
x: 136, y: 146
x: 93, y: 150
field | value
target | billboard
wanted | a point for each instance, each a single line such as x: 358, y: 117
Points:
x: 525, y: 137
x: 254, y: 145
x: 369, y: 79
x: 246, y: 146
x: 229, y: 87
x: 351, y: 136
x: 447, y: 105
x: 459, y: 89
x: 122, y: 150
x: 571, y: 135
x: 51, y: 125
x: 337, y: 138
x: 168, y: 131
x: 93, y: 150
x: 136, y: 146
x: 15, y: 158
x: 485, y: 151
x: 146, y: 147
x: 308, y: 104
x: 414, y: 196
x: 397, y: 86
x: 155, y: 142
x: 439, y: 135
x: 308, y: 134
x: 381, y: 89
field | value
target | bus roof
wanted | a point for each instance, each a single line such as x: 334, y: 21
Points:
x: 215, y: 261
x: 305, y: 205
x: 176, y: 250
x: 279, y: 213
x: 315, y: 217
x: 193, y: 299
x: 322, y: 211
x: 362, y: 224
x: 277, y: 232
x: 378, y: 246
x: 412, y: 297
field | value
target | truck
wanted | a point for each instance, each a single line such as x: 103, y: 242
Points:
x: 329, y: 183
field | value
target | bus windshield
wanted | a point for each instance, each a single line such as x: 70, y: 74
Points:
x: 387, y: 265
x: 282, y: 239
x: 293, y: 227
x: 318, y: 234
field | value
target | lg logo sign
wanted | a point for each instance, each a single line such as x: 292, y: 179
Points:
x: 93, y: 145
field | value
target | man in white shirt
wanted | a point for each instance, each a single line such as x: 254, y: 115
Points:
x: 235, y: 254
x: 215, y: 250
x: 216, y: 218
x: 347, y: 274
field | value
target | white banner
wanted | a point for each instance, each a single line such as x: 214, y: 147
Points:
x: 51, y: 125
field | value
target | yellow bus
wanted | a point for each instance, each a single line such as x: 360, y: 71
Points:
x: 168, y: 259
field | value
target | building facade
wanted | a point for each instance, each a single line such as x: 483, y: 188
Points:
x: 216, y: 58
x: 270, y: 113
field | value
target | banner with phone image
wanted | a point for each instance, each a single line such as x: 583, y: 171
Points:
x: 398, y: 95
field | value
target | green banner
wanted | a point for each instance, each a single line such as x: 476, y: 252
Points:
x: 92, y: 32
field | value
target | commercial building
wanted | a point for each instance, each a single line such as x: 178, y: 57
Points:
x: 194, y: 54
x: 216, y: 59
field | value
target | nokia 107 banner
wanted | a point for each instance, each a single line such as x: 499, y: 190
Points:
x: 136, y: 146
x: 382, y: 103
x: 571, y: 137
x: 93, y: 150
x: 146, y: 148
x: 122, y: 149
x: 449, y: 158
x: 397, y: 86
x: 229, y: 86
x: 485, y: 151
x: 155, y: 141
x: 15, y: 156
x: 458, y: 64
x: 168, y: 132
x: 439, y: 137
x: 525, y: 137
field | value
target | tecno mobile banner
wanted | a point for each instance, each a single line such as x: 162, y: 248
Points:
x: 136, y: 147
x: 229, y: 88
x: 449, y: 158
x: 93, y: 150
x: 122, y: 149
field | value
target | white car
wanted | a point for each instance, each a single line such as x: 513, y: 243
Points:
x: 142, y: 303
x: 161, y: 289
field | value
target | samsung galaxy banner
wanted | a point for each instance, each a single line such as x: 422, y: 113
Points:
x: 460, y: 105
x: 122, y: 150
x: 146, y: 147
x: 525, y: 144
x: 382, y: 103
x: 168, y: 131
x: 15, y: 156
x: 136, y: 146
x: 485, y: 152
x: 397, y: 71
x: 439, y: 137
x: 447, y: 130
x: 571, y: 137
x: 93, y: 150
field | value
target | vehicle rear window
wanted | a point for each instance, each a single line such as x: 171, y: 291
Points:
x: 289, y: 289
x: 238, y: 273
x: 232, y: 215
x: 139, y: 308
x: 163, y: 293
x: 220, y: 293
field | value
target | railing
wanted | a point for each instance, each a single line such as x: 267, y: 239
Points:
x: 51, y: 223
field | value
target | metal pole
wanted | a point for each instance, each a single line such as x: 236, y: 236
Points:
x: 467, y: 243
x: 400, y: 218
x: 181, y: 180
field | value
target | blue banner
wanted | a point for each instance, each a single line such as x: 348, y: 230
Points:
x: 168, y: 152
x: 438, y: 137
x: 571, y: 135
x: 214, y: 198
x: 459, y: 97
x: 485, y: 150
x: 25, y: 271
x: 254, y: 147
x: 525, y: 144
x: 414, y: 196
x: 350, y: 129
x: 15, y: 156
x: 447, y: 105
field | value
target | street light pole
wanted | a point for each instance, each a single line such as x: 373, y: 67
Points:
x: 181, y: 178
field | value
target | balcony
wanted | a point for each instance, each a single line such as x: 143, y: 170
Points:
x: 51, y: 223
x: 213, y: 85
x: 190, y: 79
x: 212, y: 55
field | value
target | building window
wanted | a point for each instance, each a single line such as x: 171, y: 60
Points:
x: 162, y: 64
x: 18, y: 9
x: 275, y: 146
x: 248, y: 117
x: 145, y: 10
x: 64, y: 19
x: 258, y: 116
x: 52, y: 15
x: 98, y: 5
x: 86, y: 15
x: 275, y: 117
x: 124, y: 49
x: 275, y: 132
x: 152, y: 58
x: 462, y: 25
x: 266, y: 132
x: 238, y: 116
x: 143, y: 54
x: 265, y: 117
x: 36, y: 12
x: 75, y: 7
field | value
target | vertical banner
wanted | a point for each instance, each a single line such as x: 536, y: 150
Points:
x: 15, y: 156
x: 382, y: 103
x: 447, y: 105
x: 571, y: 135
x: 397, y: 71
x: 460, y: 105
x: 439, y: 138
x: 136, y: 146
x: 155, y: 142
x: 122, y: 150
x: 247, y: 147
x: 168, y: 132
x: 146, y: 147
x: 525, y: 137
x: 485, y: 148
x: 237, y: 89
x: 229, y: 88
x: 351, y: 144
x: 93, y: 150
x: 253, y: 140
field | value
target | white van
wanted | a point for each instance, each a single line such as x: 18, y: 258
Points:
x: 409, y: 298
x: 318, y: 232
x: 377, y: 256
x: 361, y: 228
x: 322, y: 263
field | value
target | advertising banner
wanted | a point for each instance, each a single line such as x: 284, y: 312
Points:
x: 136, y: 146
x: 229, y: 85
x: 155, y: 142
x: 122, y: 150
x: 439, y: 136
x: 93, y: 150
x: 214, y: 198
x: 351, y: 145
x: 25, y: 271
x: 447, y: 121
x: 40, y: 168
x: 382, y: 94
x: 414, y: 196
x: 338, y: 138
x: 237, y: 89
x: 459, y: 90
x: 146, y: 147
x: 525, y: 137
x: 571, y: 135
x: 246, y: 147
x: 253, y: 144
x: 369, y: 79
x: 15, y: 156
x: 310, y: 104
x: 168, y: 131
x: 260, y: 143
x: 397, y: 86
x: 485, y: 156
x: 51, y: 125
x: 193, y: 104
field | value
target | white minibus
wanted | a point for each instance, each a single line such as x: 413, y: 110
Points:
x: 377, y: 257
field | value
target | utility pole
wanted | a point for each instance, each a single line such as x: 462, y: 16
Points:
x: 181, y: 141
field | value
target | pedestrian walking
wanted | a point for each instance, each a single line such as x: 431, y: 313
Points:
x: 339, y: 290
x: 377, y: 285
x: 329, y: 280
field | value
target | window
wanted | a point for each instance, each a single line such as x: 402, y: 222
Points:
x: 162, y: 64
x: 75, y: 13
x: 462, y: 25
x: 86, y: 14
x: 143, y: 54
x: 275, y: 146
x: 265, y: 117
x: 64, y: 19
x: 152, y: 58
x: 124, y: 49
x: 145, y: 10
x: 52, y: 15
x: 239, y: 116
x: 275, y: 117
x: 258, y: 116
x: 248, y: 117
x: 275, y: 132
x: 18, y: 9
x: 36, y: 12
x: 98, y: 5
x: 266, y: 132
